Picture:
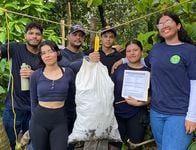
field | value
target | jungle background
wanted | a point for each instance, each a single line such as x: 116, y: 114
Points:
x: 135, y: 19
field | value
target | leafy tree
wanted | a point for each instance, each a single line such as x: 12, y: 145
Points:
x: 14, y: 22
x: 135, y: 19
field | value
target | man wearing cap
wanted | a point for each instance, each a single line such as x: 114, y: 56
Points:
x: 72, y: 53
x: 107, y: 54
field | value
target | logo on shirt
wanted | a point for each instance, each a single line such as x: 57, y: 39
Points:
x: 175, y: 59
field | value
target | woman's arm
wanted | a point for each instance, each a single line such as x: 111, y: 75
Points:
x: 190, y: 122
x: 33, y: 91
x: 124, y: 61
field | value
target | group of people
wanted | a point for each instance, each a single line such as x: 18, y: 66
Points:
x: 48, y: 109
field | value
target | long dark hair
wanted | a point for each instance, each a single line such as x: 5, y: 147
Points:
x: 182, y: 33
x: 53, y: 46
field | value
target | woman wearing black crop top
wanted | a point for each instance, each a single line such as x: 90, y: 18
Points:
x: 49, y: 88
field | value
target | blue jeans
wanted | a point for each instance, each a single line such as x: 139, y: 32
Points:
x: 22, y: 124
x: 169, y: 131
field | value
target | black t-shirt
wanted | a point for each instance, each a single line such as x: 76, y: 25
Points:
x: 18, y: 54
x: 69, y: 57
x: 108, y: 60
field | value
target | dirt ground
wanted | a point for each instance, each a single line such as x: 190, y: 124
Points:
x: 150, y: 146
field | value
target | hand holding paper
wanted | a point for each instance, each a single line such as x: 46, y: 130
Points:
x: 136, y: 84
x: 134, y: 102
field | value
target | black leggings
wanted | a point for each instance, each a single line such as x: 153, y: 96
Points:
x: 48, y: 129
x: 133, y: 128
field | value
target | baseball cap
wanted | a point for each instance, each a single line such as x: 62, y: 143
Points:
x: 76, y: 28
x: 108, y: 29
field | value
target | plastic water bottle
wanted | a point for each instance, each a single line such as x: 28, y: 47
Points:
x: 24, y: 81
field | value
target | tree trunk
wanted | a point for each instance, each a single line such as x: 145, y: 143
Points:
x: 101, y: 14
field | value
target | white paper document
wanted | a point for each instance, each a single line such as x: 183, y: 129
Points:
x: 136, y: 84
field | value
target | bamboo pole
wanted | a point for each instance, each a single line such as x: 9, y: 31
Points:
x: 69, y: 14
x: 62, y: 23
x: 92, y: 34
x: 133, y: 145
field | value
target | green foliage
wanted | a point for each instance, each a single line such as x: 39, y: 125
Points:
x: 191, y: 29
x: 4, y: 71
x: 192, y: 146
x: 15, y: 24
x: 140, y: 16
x: 4, y: 75
x: 93, y: 2
x: 51, y: 35
x: 147, y: 39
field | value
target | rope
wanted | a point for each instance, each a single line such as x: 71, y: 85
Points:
x: 99, y: 31
x: 11, y: 75
x: 150, y: 14
x: 33, y: 17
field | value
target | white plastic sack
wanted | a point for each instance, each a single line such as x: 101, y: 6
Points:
x: 94, y: 105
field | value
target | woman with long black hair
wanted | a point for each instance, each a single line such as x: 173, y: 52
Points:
x: 173, y: 80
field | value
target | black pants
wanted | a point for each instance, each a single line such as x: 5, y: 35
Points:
x: 48, y: 129
x: 71, y: 117
x: 133, y: 128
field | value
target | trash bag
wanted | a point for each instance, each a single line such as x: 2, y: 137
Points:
x: 94, y: 105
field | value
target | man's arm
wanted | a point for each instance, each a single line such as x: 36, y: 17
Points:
x: 4, y: 50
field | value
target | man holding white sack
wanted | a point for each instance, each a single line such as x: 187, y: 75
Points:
x: 96, y: 123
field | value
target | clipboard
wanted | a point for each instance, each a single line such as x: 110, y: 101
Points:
x: 136, y: 84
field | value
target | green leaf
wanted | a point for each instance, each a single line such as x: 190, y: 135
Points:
x: 18, y: 29
x: 24, y: 7
x: 155, y: 3
x: 36, y: 2
x: 2, y: 37
x: 13, y: 5
x: 89, y: 3
x: 85, y: 1
x: 97, y: 2
x: 191, y: 29
x: 1, y: 12
x: 2, y: 90
x: 39, y: 9
x: 24, y: 21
